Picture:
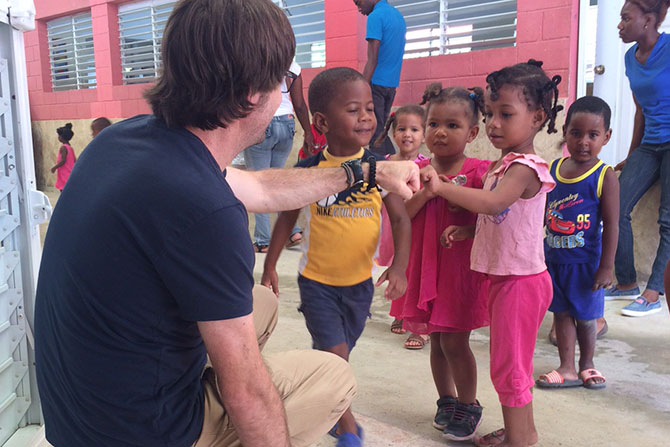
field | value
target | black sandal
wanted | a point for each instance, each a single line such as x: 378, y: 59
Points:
x: 258, y: 248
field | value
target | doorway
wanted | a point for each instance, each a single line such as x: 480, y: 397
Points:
x: 601, y: 70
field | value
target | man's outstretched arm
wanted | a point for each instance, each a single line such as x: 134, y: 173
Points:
x: 273, y: 190
x: 247, y: 393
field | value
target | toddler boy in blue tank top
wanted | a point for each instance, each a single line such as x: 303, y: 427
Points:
x: 581, y: 237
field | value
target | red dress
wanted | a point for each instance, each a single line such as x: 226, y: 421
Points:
x: 443, y: 294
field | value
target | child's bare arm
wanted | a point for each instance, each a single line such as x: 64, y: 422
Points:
x: 519, y: 182
x: 62, y: 157
x: 609, y: 199
x: 280, y: 234
x: 418, y: 201
x: 402, y: 239
x: 454, y: 233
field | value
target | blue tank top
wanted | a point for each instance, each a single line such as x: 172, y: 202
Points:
x: 573, y: 221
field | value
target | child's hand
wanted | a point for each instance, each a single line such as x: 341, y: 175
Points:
x: 604, y: 278
x: 431, y: 180
x: 397, y: 283
x: 271, y: 280
x: 454, y: 233
x: 427, y: 193
x: 53, y: 170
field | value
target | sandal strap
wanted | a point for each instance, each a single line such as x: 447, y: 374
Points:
x: 497, y: 435
x: 591, y: 373
x: 553, y: 377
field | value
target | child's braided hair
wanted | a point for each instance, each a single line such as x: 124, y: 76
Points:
x: 473, y: 97
x: 411, y: 109
x: 65, y: 132
x: 538, y: 90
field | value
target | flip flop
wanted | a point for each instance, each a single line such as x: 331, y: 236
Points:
x: 494, y: 438
x: 396, y: 327
x: 592, y: 373
x: 259, y: 248
x: 295, y: 239
x: 554, y: 379
x: 415, y: 341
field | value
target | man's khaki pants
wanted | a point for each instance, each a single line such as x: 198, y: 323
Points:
x: 316, y: 387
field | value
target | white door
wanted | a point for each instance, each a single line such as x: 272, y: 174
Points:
x: 610, y: 82
x: 21, y: 210
x: 609, y: 77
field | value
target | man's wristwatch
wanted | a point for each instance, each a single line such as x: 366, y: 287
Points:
x: 354, y: 172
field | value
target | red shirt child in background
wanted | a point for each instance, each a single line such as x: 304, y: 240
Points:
x: 320, y: 143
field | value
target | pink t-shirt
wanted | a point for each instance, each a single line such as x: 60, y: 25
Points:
x: 511, y: 243
x: 63, y: 173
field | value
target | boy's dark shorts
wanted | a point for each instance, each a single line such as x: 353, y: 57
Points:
x: 334, y: 314
x: 572, y: 291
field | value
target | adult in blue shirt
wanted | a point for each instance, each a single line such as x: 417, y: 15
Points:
x: 385, y: 33
x: 648, y: 70
x: 147, y: 265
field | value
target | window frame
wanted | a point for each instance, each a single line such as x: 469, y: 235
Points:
x: 141, y: 61
x: 451, y: 29
x: 71, y: 52
x: 316, y: 56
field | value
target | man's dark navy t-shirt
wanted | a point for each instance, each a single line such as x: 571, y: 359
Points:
x: 146, y: 240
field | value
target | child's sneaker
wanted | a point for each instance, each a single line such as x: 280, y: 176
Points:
x: 445, y: 411
x: 641, y: 308
x: 349, y: 440
x: 463, y: 425
x: 614, y: 293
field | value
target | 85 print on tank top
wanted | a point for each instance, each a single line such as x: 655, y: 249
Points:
x: 573, y: 217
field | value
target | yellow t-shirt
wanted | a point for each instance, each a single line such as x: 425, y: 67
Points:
x: 342, y: 232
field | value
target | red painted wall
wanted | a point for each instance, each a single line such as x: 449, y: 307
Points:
x: 546, y: 30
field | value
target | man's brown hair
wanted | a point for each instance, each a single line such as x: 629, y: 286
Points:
x: 215, y: 54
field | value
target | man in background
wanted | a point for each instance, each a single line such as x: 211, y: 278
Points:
x: 385, y: 33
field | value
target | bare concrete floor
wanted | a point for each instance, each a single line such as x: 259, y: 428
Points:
x: 396, y: 400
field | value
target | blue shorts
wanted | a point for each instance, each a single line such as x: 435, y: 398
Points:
x: 572, y: 291
x: 333, y: 314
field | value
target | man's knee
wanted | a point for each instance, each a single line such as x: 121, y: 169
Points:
x: 339, y: 379
x: 322, y: 376
x: 265, y: 310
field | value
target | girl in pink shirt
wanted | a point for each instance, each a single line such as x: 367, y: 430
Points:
x: 444, y: 297
x: 66, y: 157
x: 407, y: 125
x: 508, y: 240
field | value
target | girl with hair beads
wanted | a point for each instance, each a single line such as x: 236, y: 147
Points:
x: 444, y: 297
x: 66, y: 157
x: 508, y: 241
x: 407, y: 124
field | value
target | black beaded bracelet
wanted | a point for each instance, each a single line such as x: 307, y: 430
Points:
x: 372, y: 173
